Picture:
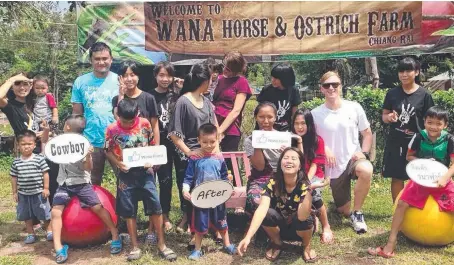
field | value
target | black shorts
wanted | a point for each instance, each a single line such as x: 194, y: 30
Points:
x: 395, y: 159
x: 274, y: 218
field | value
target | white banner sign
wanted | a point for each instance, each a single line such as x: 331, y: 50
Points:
x: 426, y: 172
x: 139, y: 156
x: 211, y: 193
x: 271, y: 139
x: 67, y: 148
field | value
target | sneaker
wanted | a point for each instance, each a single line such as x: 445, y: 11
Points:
x: 195, y: 255
x: 49, y: 236
x: 30, y: 239
x: 358, y: 223
x: 135, y: 254
x: 151, y: 239
x: 231, y: 249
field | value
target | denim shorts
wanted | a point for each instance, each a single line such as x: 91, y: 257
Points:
x: 31, y: 206
x: 137, y: 185
x: 85, y: 192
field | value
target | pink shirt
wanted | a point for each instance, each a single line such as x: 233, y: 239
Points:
x: 224, y: 99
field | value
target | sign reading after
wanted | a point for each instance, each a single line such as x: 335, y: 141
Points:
x: 211, y: 193
x: 426, y: 172
x: 67, y: 148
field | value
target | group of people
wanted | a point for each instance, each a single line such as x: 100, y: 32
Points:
x: 199, y: 117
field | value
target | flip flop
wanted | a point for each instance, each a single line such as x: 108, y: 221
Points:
x: 327, y: 238
x: 168, y: 226
x: 62, y: 255
x: 115, y: 246
x: 274, y: 247
x: 310, y: 259
x: 378, y: 251
x: 168, y: 254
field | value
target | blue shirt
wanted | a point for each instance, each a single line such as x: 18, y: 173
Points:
x: 95, y: 94
x: 208, y: 168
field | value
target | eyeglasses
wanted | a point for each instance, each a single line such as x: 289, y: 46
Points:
x: 23, y: 83
x: 328, y: 85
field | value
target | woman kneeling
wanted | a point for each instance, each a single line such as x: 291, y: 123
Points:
x: 285, y: 208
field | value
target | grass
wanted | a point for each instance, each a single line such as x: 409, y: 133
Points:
x: 348, y: 249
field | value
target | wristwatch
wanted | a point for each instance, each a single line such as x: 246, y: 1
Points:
x: 366, y: 154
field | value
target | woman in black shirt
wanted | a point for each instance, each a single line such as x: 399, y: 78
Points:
x: 403, y: 109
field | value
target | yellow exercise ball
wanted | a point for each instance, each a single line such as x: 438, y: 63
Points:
x: 428, y: 226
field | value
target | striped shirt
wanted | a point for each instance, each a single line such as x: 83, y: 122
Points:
x: 29, y: 174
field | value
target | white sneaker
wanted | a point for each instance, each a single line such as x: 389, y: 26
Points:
x: 358, y: 223
x: 151, y: 239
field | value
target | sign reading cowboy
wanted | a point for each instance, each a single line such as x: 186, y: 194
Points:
x: 280, y: 27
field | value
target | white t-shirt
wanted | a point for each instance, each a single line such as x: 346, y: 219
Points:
x: 340, y: 130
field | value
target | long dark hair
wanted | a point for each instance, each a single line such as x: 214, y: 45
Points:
x: 278, y: 177
x: 310, y: 140
x: 285, y: 74
x: 410, y: 64
x: 199, y: 73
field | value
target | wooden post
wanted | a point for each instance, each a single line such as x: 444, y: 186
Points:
x: 372, y: 71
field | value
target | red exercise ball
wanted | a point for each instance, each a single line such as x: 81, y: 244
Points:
x: 81, y: 227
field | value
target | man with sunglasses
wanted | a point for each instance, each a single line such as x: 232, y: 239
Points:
x: 338, y: 122
x: 92, y: 96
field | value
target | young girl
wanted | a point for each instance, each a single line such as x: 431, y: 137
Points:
x: 44, y: 107
x: 215, y: 70
x: 283, y: 94
x: 404, y: 108
x: 313, y: 148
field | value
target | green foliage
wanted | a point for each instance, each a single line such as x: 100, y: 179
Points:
x: 445, y: 99
x: 65, y: 106
x: 312, y: 104
x: 5, y: 162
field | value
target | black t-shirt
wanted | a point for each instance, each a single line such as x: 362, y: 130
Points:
x: 147, y: 105
x: 411, y: 109
x: 163, y: 110
x: 284, y: 100
x: 17, y: 116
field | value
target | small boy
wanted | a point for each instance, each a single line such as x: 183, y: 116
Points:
x: 74, y: 180
x: 30, y: 182
x: 137, y: 183
x: 431, y: 143
x: 211, y: 166
x: 45, y: 107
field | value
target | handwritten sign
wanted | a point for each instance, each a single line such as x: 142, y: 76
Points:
x: 139, y: 156
x: 271, y: 139
x: 67, y: 148
x: 426, y: 172
x: 211, y: 193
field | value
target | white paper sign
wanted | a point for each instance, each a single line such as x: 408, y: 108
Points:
x: 67, y: 148
x: 211, y: 193
x: 139, y: 156
x: 271, y: 139
x: 426, y: 172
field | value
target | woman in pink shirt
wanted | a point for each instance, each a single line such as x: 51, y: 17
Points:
x: 229, y: 99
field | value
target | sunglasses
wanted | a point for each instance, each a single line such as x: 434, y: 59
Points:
x: 25, y: 83
x: 328, y: 85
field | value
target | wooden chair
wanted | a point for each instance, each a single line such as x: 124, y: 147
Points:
x: 239, y: 198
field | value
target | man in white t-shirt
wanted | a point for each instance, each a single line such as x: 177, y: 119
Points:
x: 339, y: 123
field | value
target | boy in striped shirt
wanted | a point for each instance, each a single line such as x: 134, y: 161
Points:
x: 30, y: 181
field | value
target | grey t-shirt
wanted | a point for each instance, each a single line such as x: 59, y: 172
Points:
x: 73, y: 174
x: 187, y: 119
x: 271, y: 155
x: 41, y: 111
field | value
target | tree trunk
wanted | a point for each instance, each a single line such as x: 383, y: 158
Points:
x: 372, y: 71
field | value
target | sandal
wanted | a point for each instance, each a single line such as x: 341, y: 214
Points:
x: 135, y: 254
x: 168, y: 254
x: 115, y: 246
x: 231, y: 249
x: 378, y: 251
x: 274, y: 247
x: 195, y: 255
x: 310, y: 259
x: 62, y: 254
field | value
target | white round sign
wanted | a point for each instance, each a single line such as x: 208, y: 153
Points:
x: 426, y: 172
x: 211, y: 193
x: 67, y: 148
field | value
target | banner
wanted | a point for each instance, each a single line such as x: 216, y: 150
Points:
x: 266, y: 31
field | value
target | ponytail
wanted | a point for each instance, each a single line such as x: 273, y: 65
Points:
x: 199, y: 74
